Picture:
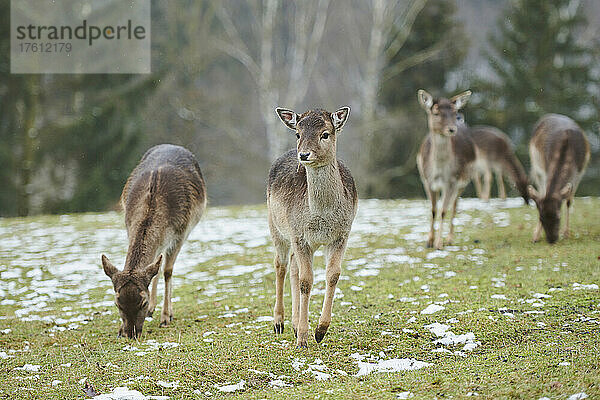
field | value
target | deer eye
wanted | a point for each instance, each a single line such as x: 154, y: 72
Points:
x: 297, y: 135
x: 325, y: 135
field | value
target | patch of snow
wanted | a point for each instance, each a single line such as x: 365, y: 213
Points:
x: 123, y: 393
x: 392, y: 365
x: 231, y: 388
x: 168, y: 385
x: 578, y: 286
x: 432, y: 308
x: 29, y: 368
x: 449, y: 338
x: 578, y: 396
x: 437, y: 254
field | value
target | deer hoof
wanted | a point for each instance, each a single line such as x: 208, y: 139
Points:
x: 165, y: 320
x: 320, y: 333
x: 278, y: 327
x: 302, y: 340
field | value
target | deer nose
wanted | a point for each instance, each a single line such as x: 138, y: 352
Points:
x: 451, y: 129
x: 304, y: 156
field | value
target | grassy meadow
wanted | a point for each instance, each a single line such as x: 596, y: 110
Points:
x: 493, y: 316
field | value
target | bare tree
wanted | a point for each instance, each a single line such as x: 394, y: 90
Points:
x: 279, y: 56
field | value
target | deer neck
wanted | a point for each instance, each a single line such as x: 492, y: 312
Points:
x: 441, y: 147
x: 324, y: 187
x: 559, y: 177
x: 143, y: 247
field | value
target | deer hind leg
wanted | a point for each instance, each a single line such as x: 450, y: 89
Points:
x: 433, y: 197
x: 295, y: 286
x: 335, y: 253
x: 152, y: 302
x: 477, y: 183
x: 304, y: 256
x: 566, y: 232
x: 166, y: 316
x: 500, y: 184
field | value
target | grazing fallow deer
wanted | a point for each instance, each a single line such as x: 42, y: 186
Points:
x: 312, y: 201
x: 494, y: 152
x: 445, y: 159
x: 559, y: 154
x: 163, y: 200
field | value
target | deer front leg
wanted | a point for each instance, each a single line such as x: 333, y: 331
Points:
x: 335, y: 253
x: 487, y: 184
x: 304, y: 255
x: 500, y: 184
x: 166, y: 316
x: 152, y: 302
x: 295, y: 286
x: 451, y: 234
x: 433, y: 197
x: 477, y: 183
x: 448, y: 197
x: 278, y: 311
x: 537, y: 232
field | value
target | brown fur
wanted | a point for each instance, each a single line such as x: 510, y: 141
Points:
x: 311, y: 202
x: 163, y: 200
x: 495, y: 153
x: 445, y: 159
x: 559, y: 154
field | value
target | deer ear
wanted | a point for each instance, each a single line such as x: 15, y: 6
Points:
x: 533, y: 193
x: 566, y: 191
x: 425, y: 99
x: 339, y: 117
x: 288, y: 117
x: 109, y: 269
x: 461, y: 100
x: 152, y: 269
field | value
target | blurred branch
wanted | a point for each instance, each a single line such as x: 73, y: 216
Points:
x: 414, y: 60
x: 407, y: 21
x: 237, y: 48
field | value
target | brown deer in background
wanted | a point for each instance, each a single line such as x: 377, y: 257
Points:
x: 445, y: 159
x: 311, y: 200
x: 163, y: 200
x: 494, y: 152
x: 559, y: 154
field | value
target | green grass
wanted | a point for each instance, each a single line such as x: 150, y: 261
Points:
x: 520, y: 354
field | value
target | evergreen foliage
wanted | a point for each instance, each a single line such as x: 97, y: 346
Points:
x: 541, y: 63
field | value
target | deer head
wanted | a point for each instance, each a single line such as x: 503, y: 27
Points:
x: 442, y: 113
x: 316, y: 133
x: 131, y: 294
x: 549, y: 209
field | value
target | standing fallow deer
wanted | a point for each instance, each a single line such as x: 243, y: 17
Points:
x: 445, y: 159
x: 163, y: 200
x: 559, y: 154
x: 494, y: 152
x: 312, y: 200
